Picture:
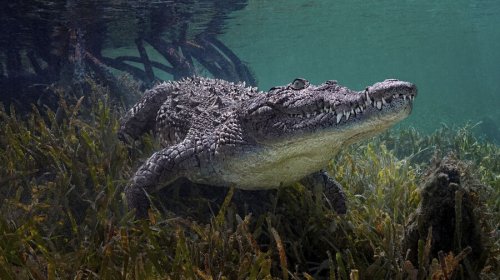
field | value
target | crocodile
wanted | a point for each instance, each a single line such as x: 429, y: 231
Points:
x: 221, y: 133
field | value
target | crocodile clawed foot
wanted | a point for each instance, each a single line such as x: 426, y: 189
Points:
x: 332, y: 189
x: 137, y: 200
x: 335, y: 194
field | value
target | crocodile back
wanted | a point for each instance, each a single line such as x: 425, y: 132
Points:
x: 197, y: 107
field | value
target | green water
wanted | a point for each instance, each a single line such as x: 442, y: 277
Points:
x: 450, y: 49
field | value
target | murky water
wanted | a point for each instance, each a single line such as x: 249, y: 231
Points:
x: 450, y: 49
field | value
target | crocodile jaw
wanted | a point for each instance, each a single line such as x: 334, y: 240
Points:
x: 259, y: 167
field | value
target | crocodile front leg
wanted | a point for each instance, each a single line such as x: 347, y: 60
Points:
x: 162, y: 168
x: 141, y: 117
x: 332, y: 189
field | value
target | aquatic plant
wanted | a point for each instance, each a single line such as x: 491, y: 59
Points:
x: 449, y: 218
x: 420, y: 148
x: 63, y: 214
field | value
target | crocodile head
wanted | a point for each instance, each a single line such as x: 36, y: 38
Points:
x: 328, y: 114
x: 298, y: 128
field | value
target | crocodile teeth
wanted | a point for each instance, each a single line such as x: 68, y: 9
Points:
x: 379, y: 105
x: 404, y: 97
x: 368, y: 101
x: 347, y: 115
x: 358, y: 110
x: 352, y: 111
x: 308, y: 115
x: 368, y: 98
x: 383, y: 101
x: 339, y: 117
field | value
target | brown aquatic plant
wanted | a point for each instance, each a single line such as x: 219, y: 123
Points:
x: 62, y: 213
x: 452, y: 216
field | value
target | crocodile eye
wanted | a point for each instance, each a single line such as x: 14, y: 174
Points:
x: 299, y: 84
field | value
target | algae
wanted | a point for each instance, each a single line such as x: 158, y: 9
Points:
x: 63, y: 214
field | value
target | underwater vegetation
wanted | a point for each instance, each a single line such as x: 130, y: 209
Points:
x: 63, y: 214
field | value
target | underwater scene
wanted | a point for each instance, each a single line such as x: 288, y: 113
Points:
x: 250, y: 139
